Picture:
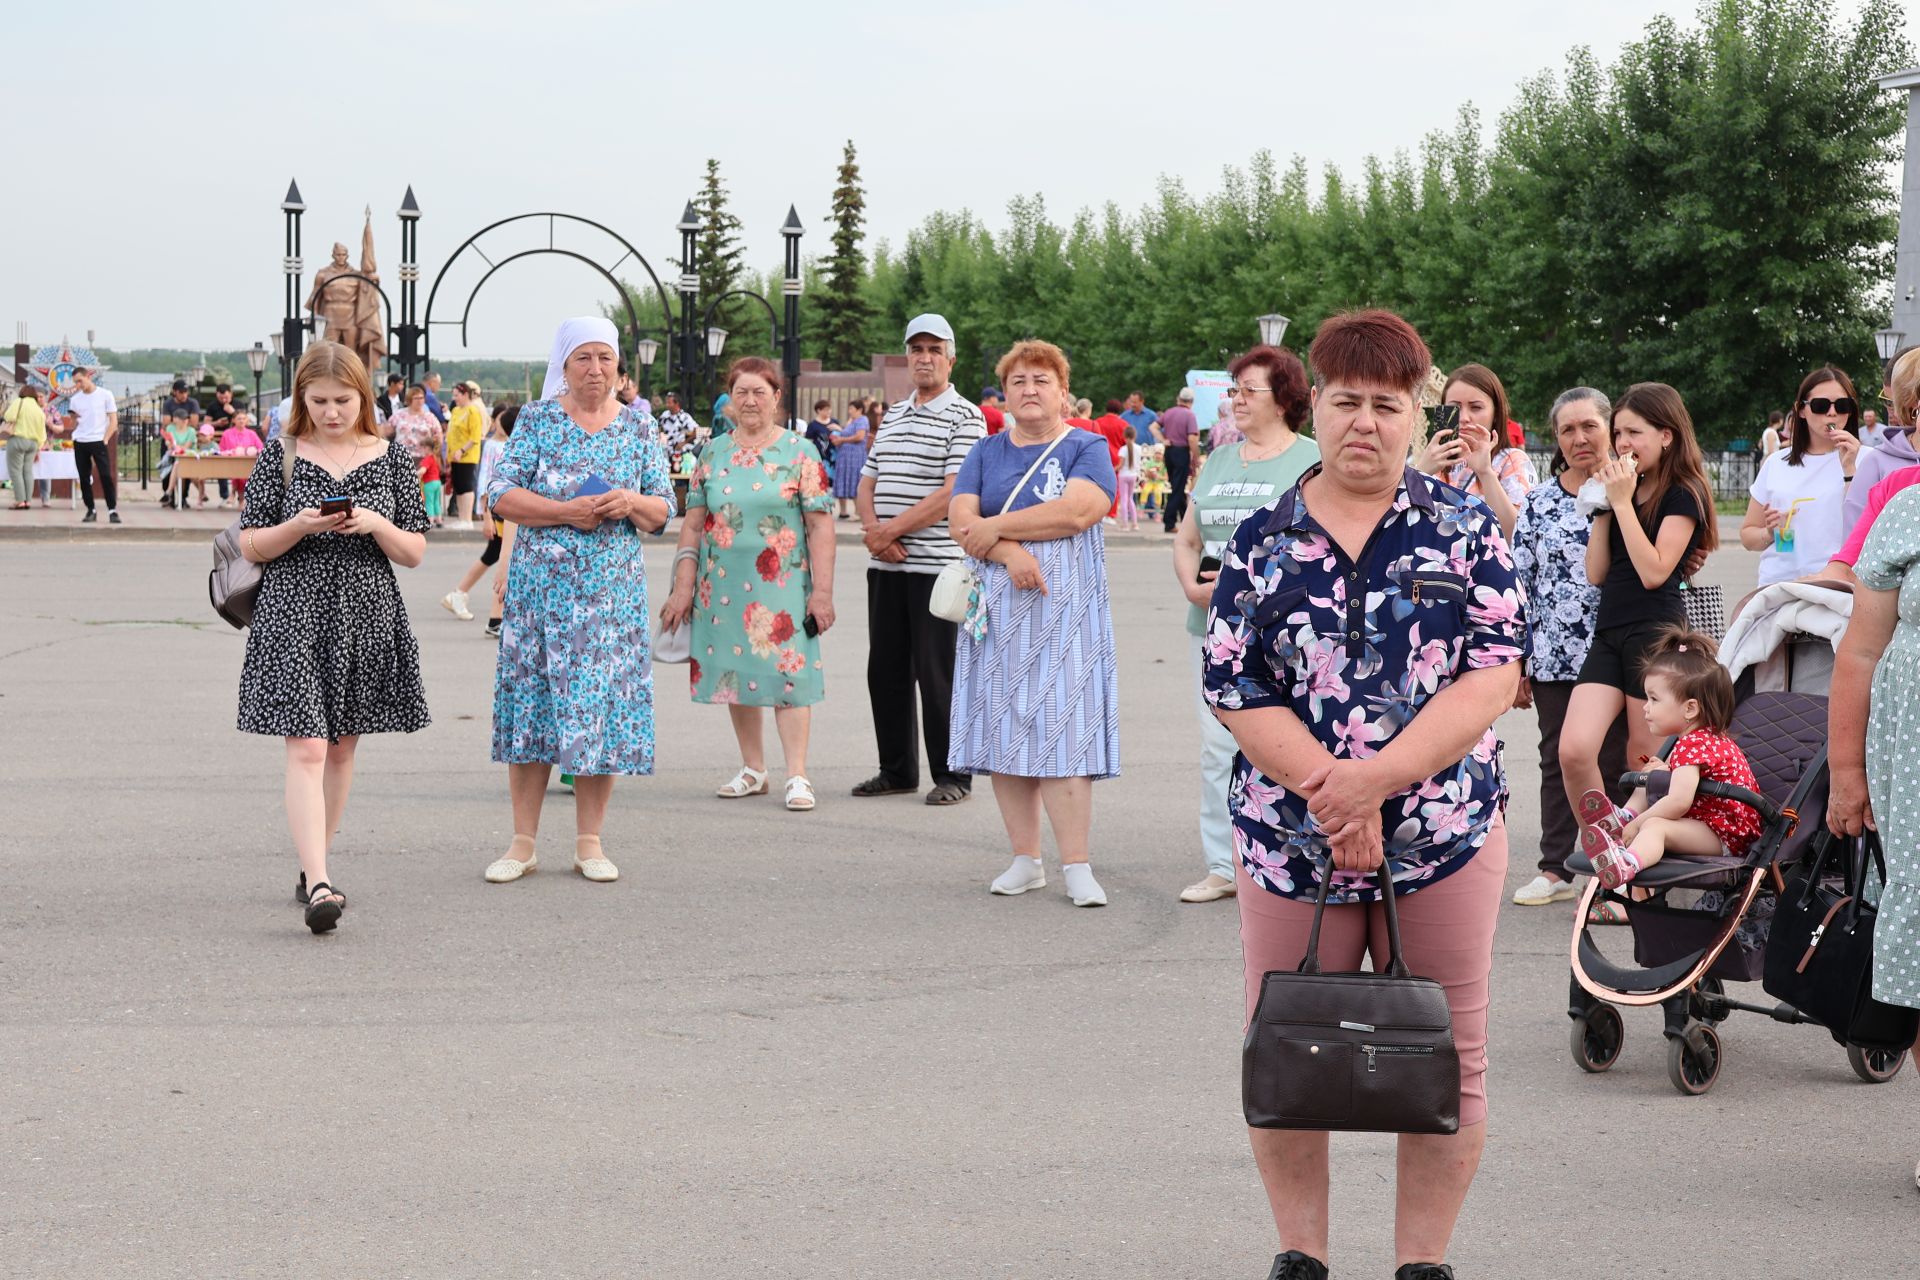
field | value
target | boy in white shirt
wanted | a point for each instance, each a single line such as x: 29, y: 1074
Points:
x: 96, y: 428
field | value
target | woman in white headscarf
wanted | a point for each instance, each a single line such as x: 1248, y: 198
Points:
x: 581, y: 479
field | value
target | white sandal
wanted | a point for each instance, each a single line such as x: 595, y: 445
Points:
x: 799, y: 794
x: 747, y: 782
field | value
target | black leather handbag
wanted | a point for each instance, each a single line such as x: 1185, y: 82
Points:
x: 1351, y: 1051
x: 1819, y: 955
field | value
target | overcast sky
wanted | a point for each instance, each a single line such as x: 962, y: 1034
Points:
x: 169, y: 132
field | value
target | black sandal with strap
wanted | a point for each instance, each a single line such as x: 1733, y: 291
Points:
x: 323, y: 907
x: 300, y: 894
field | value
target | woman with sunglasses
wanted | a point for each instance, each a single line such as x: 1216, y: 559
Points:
x: 1796, y: 518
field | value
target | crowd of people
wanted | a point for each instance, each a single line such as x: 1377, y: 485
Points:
x: 1365, y: 597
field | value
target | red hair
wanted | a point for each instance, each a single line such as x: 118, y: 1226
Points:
x: 1285, y: 374
x: 760, y: 367
x: 1370, y: 347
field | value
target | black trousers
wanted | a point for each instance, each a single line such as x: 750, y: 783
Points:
x: 87, y: 456
x: 1559, y: 829
x: 908, y: 646
x: 1179, y: 459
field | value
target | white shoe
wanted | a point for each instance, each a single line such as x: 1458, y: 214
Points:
x: 1025, y: 873
x: 455, y: 603
x: 599, y: 870
x: 1541, y: 890
x: 507, y: 870
x: 799, y: 794
x: 1208, y: 889
x: 747, y: 782
x: 1081, y: 886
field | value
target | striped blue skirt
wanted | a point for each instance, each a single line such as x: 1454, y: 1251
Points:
x: 1038, y: 695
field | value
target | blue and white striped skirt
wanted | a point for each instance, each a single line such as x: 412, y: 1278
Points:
x: 1038, y: 695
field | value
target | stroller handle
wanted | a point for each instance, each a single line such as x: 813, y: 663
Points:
x: 1656, y: 781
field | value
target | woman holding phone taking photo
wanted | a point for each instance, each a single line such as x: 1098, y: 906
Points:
x: 329, y: 654
x: 1474, y: 453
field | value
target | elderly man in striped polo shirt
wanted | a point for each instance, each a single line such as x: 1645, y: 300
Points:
x: 904, y: 491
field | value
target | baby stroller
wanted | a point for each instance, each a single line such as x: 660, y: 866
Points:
x: 1705, y: 921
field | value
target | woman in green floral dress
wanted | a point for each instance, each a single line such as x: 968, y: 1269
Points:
x: 755, y: 563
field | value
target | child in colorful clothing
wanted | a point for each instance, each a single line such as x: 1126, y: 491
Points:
x: 1689, y: 694
x: 431, y: 488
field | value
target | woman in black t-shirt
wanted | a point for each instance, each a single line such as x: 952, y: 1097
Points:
x: 1662, y: 512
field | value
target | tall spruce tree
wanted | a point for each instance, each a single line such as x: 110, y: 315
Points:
x: 721, y: 265
x: 844, y: 309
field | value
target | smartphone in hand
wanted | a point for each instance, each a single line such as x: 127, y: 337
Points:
x: 340, y: 506
x: 1444, y: 418
x: 810, y: 626
x: 1208, y: 564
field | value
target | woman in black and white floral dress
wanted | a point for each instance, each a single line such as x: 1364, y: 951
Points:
x: 330, y: 655
x: 1550, y: 554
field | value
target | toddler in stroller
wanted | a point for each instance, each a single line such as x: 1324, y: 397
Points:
x: 1689, y: 699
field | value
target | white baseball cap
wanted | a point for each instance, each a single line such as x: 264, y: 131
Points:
x: 929, y: 323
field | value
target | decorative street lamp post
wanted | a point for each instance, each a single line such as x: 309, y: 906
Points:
x: 407, y: 331
x: 1886, y: 342
x: 1273, y: 328
x: 689, y: 229
x: 257, y: 361
x: 791, y: 231
x: 291, y: 341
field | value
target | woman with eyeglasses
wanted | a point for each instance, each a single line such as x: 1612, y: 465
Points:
x: 1797, y: 516
x: 1270, y: 400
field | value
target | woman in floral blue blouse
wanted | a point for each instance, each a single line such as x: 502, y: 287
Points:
x: 1366, y: 631
x: 1550, y: 552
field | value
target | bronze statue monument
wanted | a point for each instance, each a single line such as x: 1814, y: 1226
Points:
x: 351, y: 307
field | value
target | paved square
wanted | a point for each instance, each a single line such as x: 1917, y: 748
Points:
x: 782, y: 1045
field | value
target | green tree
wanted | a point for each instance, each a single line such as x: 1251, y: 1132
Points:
x: 844, y: 309
x: 721, y: 265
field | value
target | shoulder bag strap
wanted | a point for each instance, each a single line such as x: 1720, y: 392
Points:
x: 1015, y: 492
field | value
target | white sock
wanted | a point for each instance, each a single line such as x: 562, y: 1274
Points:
x: 1081, y: 886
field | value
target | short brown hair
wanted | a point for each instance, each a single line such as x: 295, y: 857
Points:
x: 1690, y: 661
x: 329, y: 360
x: 1488, y: 384
x: 1370, y: 347
x: 1032, y: 353
x: 1284, y: 373
x: 760, y: 367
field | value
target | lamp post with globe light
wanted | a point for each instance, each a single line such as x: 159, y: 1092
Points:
x: 1273, y: 328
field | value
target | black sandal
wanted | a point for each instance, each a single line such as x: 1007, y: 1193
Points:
x: 323, y: 907
x: 947, y: 793
x: 301, y: 896
x: 881, y: 785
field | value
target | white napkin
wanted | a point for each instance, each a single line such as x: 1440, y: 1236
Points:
x: 1592, y: 498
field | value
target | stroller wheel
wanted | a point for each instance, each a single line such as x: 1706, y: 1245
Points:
x: 1693, y: 1059
x: 1597, y: 1037
x: 1875, y: 1066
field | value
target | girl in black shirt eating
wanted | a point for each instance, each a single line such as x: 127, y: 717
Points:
x: 1662, y: 511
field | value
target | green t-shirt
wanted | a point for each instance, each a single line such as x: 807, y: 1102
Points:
x: 1228, y: 491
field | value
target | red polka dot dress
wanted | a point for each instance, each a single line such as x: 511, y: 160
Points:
x: 1719, y: 759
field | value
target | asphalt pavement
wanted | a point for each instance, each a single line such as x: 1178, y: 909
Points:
x: 781, y: 1045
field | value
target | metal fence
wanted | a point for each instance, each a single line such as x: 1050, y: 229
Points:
x: 1730, y: 473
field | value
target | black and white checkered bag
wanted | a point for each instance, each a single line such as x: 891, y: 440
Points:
x: 1706, y: 610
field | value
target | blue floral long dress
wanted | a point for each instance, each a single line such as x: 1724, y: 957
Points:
x: 574, y: 685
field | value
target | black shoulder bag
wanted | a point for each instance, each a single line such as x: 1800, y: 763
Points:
x: 1819, y: 955
x: 1351, y: 1051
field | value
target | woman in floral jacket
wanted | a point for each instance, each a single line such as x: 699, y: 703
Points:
x: 754, y: 573
x: 1366, y: 631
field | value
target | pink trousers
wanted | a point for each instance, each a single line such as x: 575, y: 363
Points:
x: 1446, y: 933
x: 1123, y: 503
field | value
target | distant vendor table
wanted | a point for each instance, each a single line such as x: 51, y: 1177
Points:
x: 212, y: 468
x: 55, y: 464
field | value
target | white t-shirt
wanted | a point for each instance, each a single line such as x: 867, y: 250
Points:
x: 95, y: 409
x: 1816, y: 493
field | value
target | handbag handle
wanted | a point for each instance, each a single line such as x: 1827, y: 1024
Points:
x: 1396, y: 966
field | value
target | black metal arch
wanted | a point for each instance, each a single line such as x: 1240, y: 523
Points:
x: 706, y: 318
x: 607, y: 270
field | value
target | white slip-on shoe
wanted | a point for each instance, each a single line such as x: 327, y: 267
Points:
x: 1081, y: 886
x: 1025, y: 874
x: 1209, y: 889
x: 1542, y: 889
x: 455, y: 603
x: 507, y: 870
x: 599, y: 870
